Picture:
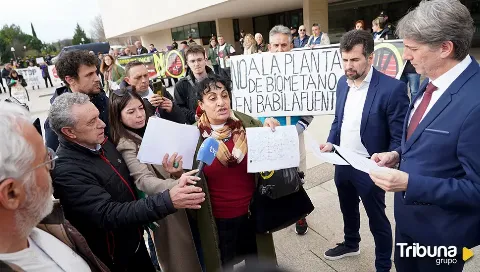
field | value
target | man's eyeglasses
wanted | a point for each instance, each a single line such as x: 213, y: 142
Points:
x: 50, y: 162
x: 301, y: 30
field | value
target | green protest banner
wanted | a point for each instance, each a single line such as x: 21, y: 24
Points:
x: 161, y: 64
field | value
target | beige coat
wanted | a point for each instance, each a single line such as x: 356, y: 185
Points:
x: 173, y: 238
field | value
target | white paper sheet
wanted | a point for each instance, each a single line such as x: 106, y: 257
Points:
x: 329, y: 157
x: 163, y: 136
x: 269, y: 150
x: 358, y: 162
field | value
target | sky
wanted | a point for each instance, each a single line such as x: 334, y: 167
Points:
x: 53, y: 20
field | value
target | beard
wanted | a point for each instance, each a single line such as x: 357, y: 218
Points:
x: 355, y: 76
x: 37, y: 206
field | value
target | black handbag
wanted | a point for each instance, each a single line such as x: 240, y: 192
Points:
x: 280, y: 183
x: 270, y: 215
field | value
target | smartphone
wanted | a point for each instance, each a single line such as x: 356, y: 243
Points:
x: 158, y: 88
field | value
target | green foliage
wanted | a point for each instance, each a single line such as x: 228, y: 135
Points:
x: 33, y: 31
x: 13, y: 36
x: 78, y: 35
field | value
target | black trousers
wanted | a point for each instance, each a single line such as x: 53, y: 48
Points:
x: 49, y: 79
x: 216, y: 68
x: 237, y: 240
x: 353, y: 185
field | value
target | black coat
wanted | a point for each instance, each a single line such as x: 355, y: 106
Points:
x: 98, y: 198
x: 142, y: 51
x: 5, y: 74
x: 186, y: 97
x: 99, y: 100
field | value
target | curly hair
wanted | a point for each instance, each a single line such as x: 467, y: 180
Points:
x: 69, y: 63
x: 211, y: 82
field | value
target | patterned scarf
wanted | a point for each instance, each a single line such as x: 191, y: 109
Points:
x: 232, y: 128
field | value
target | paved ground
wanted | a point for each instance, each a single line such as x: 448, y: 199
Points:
x: 298, y: 253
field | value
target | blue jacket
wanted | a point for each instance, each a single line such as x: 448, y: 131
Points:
x: 442, y: 157
x: 383, y: 113
x: 99, y: 100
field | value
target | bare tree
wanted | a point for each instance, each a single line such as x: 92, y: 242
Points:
x: 98, y: 32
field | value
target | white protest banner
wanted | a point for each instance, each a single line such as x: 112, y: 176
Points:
x: 286, y: 84
x: 300, y: 82
x: 53, y: 75
x: 32, y: 75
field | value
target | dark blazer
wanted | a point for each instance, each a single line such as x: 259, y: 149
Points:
x: 383, y: 113
x: 442, y: 158
x: 143, y: 51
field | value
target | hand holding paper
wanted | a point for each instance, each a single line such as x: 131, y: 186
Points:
x: 390, y: 180
x: 358, y: 162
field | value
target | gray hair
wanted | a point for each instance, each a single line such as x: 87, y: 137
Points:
x: 437, y: 21
x: 60, y: 114
x: 15, y: 151
x: 280, y: 29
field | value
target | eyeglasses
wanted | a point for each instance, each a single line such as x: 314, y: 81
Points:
x: 301, y: 30
x: 50, y: 162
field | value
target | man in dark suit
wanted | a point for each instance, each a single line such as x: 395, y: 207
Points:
x: 369, y: 115
x: 438, y: 182
x: 140, y: 49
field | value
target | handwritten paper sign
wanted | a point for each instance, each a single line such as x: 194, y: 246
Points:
x: 268, y: 150
x: 286, y: 84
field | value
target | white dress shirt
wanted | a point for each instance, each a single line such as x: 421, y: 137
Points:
x: 442, y: 83
x: 352, y: 116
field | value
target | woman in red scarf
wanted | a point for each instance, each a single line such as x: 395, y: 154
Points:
x: 227, y: 234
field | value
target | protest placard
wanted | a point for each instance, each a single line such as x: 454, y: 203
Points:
x: 32, y: 75
x: 300, y: 82
x: 286, y: 84
x: 161, y: 64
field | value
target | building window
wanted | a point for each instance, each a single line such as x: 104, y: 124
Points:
x: 182, y: 32
x: 236, y: 30
x: 191, y: 30
x: 207, y: 30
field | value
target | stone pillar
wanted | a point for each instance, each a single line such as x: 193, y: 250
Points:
x: 225, y: 28
x: 315, y: 11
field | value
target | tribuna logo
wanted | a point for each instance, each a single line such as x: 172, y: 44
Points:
x: 442, y: 254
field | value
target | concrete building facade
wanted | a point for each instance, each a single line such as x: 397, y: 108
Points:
x: 159, y: 22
